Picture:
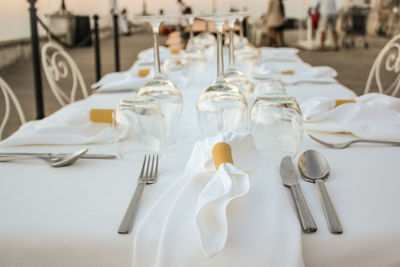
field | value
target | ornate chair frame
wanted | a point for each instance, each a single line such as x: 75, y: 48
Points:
x: 9, y: 95
x: 56, y: 67
x: 392, y: 64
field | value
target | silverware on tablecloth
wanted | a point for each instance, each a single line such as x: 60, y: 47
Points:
x: 314, y: 168
x: 347, y: 144
x: 290, y: 179
x: 54, y: 161
x: 148, y: 175
x: 57, y: 155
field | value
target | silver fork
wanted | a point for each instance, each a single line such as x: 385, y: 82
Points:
x: 148, y: 175
x: 349, y: 143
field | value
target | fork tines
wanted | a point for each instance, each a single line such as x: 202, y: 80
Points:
x: 151, y: 177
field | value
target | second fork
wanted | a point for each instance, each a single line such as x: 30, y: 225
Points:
x: 148, y: 175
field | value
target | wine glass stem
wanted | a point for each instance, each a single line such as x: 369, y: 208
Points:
x: 220, y: 57
x: 157, y: 68
x: 231, y: 49
x: 190, y: 42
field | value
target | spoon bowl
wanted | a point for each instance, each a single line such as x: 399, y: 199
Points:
x: 313, y: 166
x: 69, y: 158
x: 60, y: 160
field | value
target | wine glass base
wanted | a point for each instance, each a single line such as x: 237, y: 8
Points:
x: 238, y: 79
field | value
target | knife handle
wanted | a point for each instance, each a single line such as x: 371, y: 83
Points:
x: 306, y: 219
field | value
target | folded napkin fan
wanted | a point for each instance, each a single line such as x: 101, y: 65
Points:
x: 237, y: 215
x: 374, y: 115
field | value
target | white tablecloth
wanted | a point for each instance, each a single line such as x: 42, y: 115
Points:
x: 70, y: 216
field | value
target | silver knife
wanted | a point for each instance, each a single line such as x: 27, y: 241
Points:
x: 290, y: 179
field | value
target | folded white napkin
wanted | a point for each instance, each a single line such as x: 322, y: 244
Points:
x: 147, y: 56
x: 283, y: 52
x: 70, y: 125
x: 372, y: 116
x: 239, y: 215
x: 279, y: 54
x: 126, y: 80
x: 301, y: 72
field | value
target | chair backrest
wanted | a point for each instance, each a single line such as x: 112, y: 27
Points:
x: 58, y: 65
x: 388, y: 61
x: 9, y: 95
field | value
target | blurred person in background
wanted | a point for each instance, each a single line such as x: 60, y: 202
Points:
x: 114, y: 7
x: 186, y: 31
x: 114, y: 10
x: 314, y: 14
x: 125, y: 23
x: 328, y: 17
x: 275, y: 19
x: 181, y: 20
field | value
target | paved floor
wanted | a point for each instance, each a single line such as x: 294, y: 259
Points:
x: 352, y: 66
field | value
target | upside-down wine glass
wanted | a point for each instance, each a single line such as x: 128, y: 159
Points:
x: 232, y: 74
x: 139, y: 127
x: 190, y: 47
x: 205, y: 39
x: 276, y: 125
x: 221, y: 107
x: 166, y: 93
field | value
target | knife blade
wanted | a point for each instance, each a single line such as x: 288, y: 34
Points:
x: 290, y: 179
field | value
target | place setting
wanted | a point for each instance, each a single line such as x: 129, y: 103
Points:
x: 208, y: 151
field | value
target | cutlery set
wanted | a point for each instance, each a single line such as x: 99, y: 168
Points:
x: 54, y: 159
x: 313, y: 168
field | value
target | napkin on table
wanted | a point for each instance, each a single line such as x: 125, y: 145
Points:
x: 374, y: 116
x: 239, y: 215
x: 126, y: 80
x: 279, y: 54
x: 298, y: 72
x: 69, y: 126
x: 147, y: 56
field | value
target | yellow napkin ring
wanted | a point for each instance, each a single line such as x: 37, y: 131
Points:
x: 288, y: 72
x: 339, y: 102
x: 143, y: 72
x: 101, y: 115
x: 221, y: 153
x: 175, y: 51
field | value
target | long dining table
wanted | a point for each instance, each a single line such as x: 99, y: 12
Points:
x: 69, y: 216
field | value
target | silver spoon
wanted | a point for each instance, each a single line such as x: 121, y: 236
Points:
x: 314, y: 168
x: 59, y: 161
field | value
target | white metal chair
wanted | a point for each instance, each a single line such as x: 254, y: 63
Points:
x: 57, y: 64
x: 9, y: 95
x: 389, y: 58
